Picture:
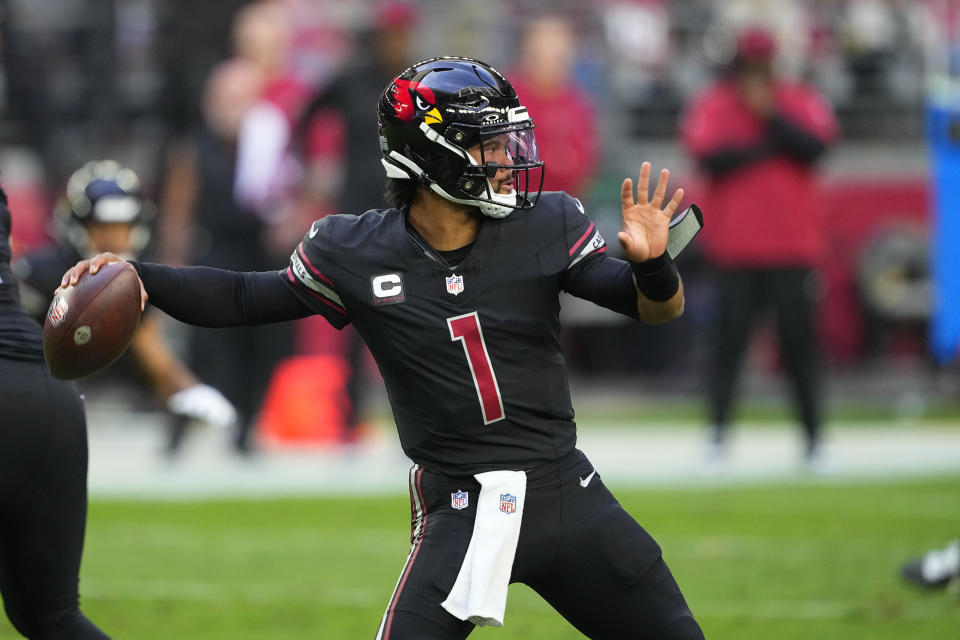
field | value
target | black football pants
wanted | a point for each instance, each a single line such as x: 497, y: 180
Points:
x: 43, y: 502
x: 743, y: 295
x: 578, y: 548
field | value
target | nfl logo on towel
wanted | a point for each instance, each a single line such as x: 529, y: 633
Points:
x: 455, y: 284
x: 508, y: 503
x: 459, y: 500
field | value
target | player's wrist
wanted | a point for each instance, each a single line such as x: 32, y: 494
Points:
x: 652, y: 265
x: 657, y: 278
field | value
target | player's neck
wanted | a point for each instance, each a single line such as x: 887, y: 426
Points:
x: 443, y: 224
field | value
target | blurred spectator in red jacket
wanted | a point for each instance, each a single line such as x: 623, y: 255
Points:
x: 757, y: 138
x: 566, y: 131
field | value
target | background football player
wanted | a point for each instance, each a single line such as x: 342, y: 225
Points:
x: 102, y: 211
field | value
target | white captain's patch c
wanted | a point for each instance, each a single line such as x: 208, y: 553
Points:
x: 387, y: 289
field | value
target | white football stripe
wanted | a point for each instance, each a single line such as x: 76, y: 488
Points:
x: 595, y: 243
x: 304, y: 276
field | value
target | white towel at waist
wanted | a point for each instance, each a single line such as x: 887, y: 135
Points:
x: 480, y: 591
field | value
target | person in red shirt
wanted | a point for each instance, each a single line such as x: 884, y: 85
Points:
x: 544, y: 79
x: 753, y: 133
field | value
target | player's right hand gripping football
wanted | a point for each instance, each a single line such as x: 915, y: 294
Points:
x: 93, y: 265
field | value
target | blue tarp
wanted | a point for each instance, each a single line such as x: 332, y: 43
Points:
x: 943, y: 134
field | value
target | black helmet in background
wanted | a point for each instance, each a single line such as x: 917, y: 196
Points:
x: 102, y: 210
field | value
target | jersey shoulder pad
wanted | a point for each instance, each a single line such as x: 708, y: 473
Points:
x: 557, y: 206
x: 343, y: 232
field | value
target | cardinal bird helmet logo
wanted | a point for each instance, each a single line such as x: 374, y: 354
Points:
x: 411, y: 100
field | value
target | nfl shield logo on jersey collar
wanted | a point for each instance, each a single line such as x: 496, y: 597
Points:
x: 460, y: 499
x: 455, y: 284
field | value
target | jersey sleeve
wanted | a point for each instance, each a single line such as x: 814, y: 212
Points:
x: 583, y: 239
x: 309, y: 275
x: 590, y: 273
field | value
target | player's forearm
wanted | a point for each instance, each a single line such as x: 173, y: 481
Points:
x: 659, y: 289
x: 605, y: 281
x: 207, y: 297
x: 657, y: 311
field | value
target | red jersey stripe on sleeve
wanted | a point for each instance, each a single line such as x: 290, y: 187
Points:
x: 582, y: 239
x: 300, y: 275
x: 596, y: 244
x: 313, y: 294
x: 313, y: 269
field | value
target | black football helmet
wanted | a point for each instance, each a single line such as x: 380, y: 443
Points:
x: 436, y: 110
x: 102, y: 192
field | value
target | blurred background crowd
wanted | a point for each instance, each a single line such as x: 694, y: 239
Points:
x: 245, y: 120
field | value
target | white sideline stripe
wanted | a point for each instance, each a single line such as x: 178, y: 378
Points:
x: 360, y: 598
x: 199, y: 591
x: 804, y: 610
x: 241, y: 539
x: 125, y: 462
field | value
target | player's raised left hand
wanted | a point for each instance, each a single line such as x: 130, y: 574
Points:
x: 645, y: 225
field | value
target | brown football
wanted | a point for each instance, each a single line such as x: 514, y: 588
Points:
x: 89, y: 325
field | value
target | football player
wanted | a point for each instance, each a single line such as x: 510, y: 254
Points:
x: 102, y: 211
x: 455, y: 289
x: 43, y: 476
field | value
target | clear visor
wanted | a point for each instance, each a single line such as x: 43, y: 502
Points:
x: 514, y: 149
x: 508, y: 167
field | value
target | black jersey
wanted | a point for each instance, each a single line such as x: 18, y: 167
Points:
x: 39, y: 273
x: 20, y: 337
x: 470, y: 353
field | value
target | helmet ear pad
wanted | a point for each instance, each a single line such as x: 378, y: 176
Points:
x: 443, y: 171
x: 461, y: 136
x: 446, y: 169
x: 471, y: 185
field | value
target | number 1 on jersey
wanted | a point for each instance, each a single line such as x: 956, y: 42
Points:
x: 466, y: 329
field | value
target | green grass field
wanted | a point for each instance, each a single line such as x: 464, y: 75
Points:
x: 812, y: 560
